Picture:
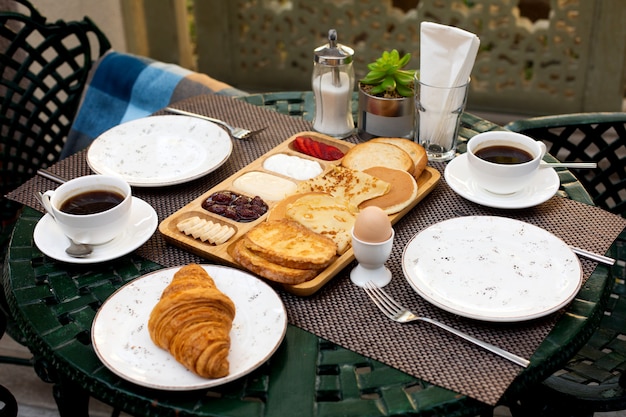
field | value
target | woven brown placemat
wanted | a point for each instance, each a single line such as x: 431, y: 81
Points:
x: 341, y: 312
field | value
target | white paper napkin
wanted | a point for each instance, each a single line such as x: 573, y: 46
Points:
x: 447, y: 56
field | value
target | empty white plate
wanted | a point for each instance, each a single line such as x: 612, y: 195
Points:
x: 492, y: 268
x: 158, y: 151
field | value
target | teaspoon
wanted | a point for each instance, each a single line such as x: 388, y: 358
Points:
x: 75, y: 250
x: 78, y: 250
x: 568, y: 164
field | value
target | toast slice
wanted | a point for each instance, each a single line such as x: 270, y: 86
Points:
x: 288, y: 243
x: 269, y: 270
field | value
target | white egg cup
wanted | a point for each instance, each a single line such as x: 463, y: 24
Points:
x: 371, y: 258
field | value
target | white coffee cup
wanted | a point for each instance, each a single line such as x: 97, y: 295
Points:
x: 95, y: 228
x: 504, y: 178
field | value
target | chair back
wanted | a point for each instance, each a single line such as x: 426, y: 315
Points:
x: 44, y: 69
x: 598, y: 137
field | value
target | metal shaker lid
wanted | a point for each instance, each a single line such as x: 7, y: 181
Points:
x: 333, y: 53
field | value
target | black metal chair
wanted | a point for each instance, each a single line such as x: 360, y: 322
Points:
x: 598, y: 137
x: 594, y: 380
x: 44, y: 69
x: 8, y: 404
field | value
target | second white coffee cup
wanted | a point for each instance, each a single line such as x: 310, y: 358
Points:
x: 110, y: 199
x: 504, y: 175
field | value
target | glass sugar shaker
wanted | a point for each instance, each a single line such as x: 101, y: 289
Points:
x: 333, y: 83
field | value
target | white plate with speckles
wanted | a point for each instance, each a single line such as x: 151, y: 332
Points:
x: 492, y: 268
x: 157, y: 151
x: 122, y: 342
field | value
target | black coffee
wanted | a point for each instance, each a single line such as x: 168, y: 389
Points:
x: 502, y: 154
x: 91, y: 202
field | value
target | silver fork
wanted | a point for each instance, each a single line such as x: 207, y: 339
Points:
x: 396, y: 312
x: 236, y: 132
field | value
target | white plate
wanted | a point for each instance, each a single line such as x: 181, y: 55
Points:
x: 143, y: 222
x: 122, y: 342
x: 160, y: 150
x: 492, y: 268
x: 543, y: 187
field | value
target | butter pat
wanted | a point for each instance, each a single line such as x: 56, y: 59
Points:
x: 266, y: 186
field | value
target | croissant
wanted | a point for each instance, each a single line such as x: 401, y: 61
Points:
x: 192, y: 321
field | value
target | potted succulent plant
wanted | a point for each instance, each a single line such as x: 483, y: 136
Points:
x: 386, y: 98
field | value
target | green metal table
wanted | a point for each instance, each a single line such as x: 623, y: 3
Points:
x: 54, y: 305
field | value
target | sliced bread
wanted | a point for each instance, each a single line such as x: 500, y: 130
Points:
x: 369, y: 154
x: 415, y: 151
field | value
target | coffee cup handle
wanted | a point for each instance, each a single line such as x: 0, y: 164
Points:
x: 542, y: 146
x: 45, y: 200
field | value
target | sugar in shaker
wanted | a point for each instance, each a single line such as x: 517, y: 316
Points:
x: 333, y: 83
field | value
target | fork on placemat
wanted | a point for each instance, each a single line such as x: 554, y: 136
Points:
x: 396, y: 312
x: 236, y: 132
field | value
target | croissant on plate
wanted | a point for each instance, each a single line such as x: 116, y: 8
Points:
x: 192, y: 321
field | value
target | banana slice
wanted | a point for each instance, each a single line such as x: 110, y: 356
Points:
x: 206, y: 230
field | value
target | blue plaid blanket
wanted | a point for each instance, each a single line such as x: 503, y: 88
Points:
x: 125, y: 87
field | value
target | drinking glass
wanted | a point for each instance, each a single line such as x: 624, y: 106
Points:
x: 438, y: 113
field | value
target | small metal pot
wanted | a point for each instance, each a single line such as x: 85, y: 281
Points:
x: 385, y: 117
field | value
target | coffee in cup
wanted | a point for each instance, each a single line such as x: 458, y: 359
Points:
x: 504, y: 162
x: 93, y: 209
x: 504, y: 154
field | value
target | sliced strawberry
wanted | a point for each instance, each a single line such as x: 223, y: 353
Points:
x: 316, y: 148
x: 304, y: 145
x: 308, y: 146
x: 311, y: 147
x: 331, y: 153
x: 299, y: 144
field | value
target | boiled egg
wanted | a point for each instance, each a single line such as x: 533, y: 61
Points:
x: 372, y: 225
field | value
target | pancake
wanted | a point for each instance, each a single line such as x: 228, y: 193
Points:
x: 279, y: 211
x: 322, y: 213
x: 347, y: 184
x: 401, y: 194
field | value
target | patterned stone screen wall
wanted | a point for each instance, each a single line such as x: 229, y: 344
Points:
x: 569, y: 59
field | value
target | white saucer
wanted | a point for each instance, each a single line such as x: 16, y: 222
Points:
x: 543, y: 187
x: 52, y: 242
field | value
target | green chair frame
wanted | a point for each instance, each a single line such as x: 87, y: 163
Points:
x: 598, y: 137
x: 594, y: 380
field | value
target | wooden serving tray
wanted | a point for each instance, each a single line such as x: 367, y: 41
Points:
x: 426, y: 182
